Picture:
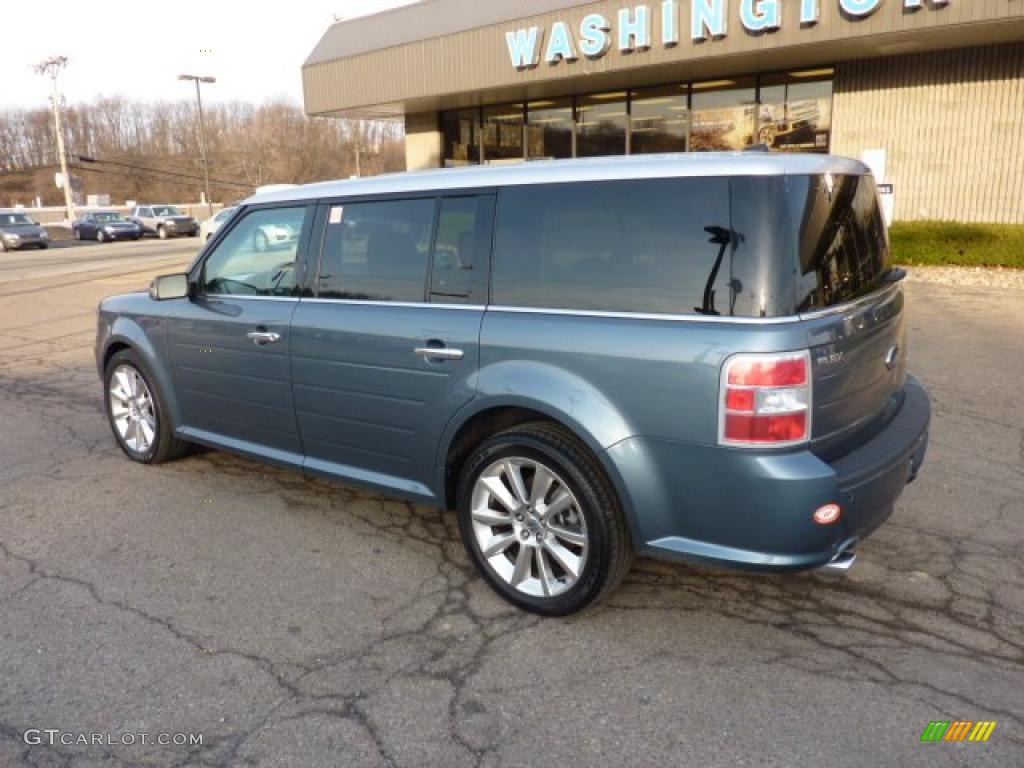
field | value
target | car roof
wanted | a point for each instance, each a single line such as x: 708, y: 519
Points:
x: 667, y: 166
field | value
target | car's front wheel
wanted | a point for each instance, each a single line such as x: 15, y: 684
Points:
x: 541, y: 521
x: 137, y: 412
x: 100, y: 237
x: 161, y: 232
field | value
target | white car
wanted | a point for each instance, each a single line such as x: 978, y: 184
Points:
x: 209, y: 227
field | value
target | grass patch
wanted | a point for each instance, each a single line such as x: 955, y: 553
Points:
x: 916, y: 243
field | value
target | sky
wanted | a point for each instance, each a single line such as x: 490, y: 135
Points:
x: 138, y: 49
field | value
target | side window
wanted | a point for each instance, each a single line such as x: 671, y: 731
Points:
x: 461, y: 249
x: 649, y: 246
x: 377, y: 251
x: 257, y: 258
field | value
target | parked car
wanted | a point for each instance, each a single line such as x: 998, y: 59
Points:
x: 209, y: 227
x: 105, y: 225
x: 18, y: 231
x: 696, y: 357
x: 164, y: 221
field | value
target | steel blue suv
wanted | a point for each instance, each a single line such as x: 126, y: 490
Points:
x: 682, y: 356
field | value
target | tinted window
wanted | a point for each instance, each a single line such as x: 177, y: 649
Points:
x: 257, y: 258
x: 377, y: 251
x: 840, y: 237
x: 660, y: 246
x: 461, y: 248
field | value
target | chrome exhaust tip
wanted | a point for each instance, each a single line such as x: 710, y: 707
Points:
x: 839, y: 564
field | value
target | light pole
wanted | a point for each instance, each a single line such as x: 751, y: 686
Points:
x: 202, y: 133
x: 52, y: 68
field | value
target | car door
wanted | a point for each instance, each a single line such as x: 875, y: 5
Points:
x: 388, y: 348
x: 229, y: 344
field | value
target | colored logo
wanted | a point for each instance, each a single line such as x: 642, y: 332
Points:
x: 960, y: 730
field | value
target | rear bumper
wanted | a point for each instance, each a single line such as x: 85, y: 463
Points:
x: 753, y: 510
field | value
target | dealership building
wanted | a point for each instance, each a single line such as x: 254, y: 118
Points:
x: 930, y: 93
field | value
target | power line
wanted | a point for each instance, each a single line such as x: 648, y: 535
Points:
x: 145, y: 169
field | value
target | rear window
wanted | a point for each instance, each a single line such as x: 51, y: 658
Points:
x: 841, y: 239
x: 733, y: 247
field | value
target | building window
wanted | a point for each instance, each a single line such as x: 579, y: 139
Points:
x: 790, y: 112
x: 723, y: 115
x: 461, y: 134
x: 660, y: 120
x: 549, y: 129
x: 795, y: 113
x: 601, y: 125
x: 503, y: 134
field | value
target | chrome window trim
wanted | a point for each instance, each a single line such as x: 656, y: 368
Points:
x: 236, y: 296
x: 646, y: 316
x: 787, y: 319
x: 401, y: 304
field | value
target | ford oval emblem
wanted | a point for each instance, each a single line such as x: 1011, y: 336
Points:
x: 892, y: 357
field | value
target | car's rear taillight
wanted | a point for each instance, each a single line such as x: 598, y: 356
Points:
x: 766, y: 400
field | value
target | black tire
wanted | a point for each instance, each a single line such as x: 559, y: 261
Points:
x: 165, y: 446
x: 43, y: 246
x: 610, y: 548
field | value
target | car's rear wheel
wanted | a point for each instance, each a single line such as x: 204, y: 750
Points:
x: 137, y: 412
x: 541, y: 521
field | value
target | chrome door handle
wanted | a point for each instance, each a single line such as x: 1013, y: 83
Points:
x: 439, y: 353
x: 262, y: 338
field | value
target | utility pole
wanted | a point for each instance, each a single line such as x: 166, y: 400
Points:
x: 52, y: 68
x: 202, y: 133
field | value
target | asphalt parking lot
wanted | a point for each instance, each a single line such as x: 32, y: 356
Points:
x: 297, y: 622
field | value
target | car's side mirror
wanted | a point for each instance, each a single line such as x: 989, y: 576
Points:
x: 167, y: 287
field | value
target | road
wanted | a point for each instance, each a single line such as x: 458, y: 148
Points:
x: 297, y: 622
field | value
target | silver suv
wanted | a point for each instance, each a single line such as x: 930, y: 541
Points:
x: 164, y: 221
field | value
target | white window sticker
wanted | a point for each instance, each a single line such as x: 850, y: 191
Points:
x: 337, y: 214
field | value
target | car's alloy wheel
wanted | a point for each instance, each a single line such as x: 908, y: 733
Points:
x: 100, y: 237
x: 161, y: 233
x: 541, y: 521
x: 137, y: 411
x: 529, y: 527
x: 132, y: 410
